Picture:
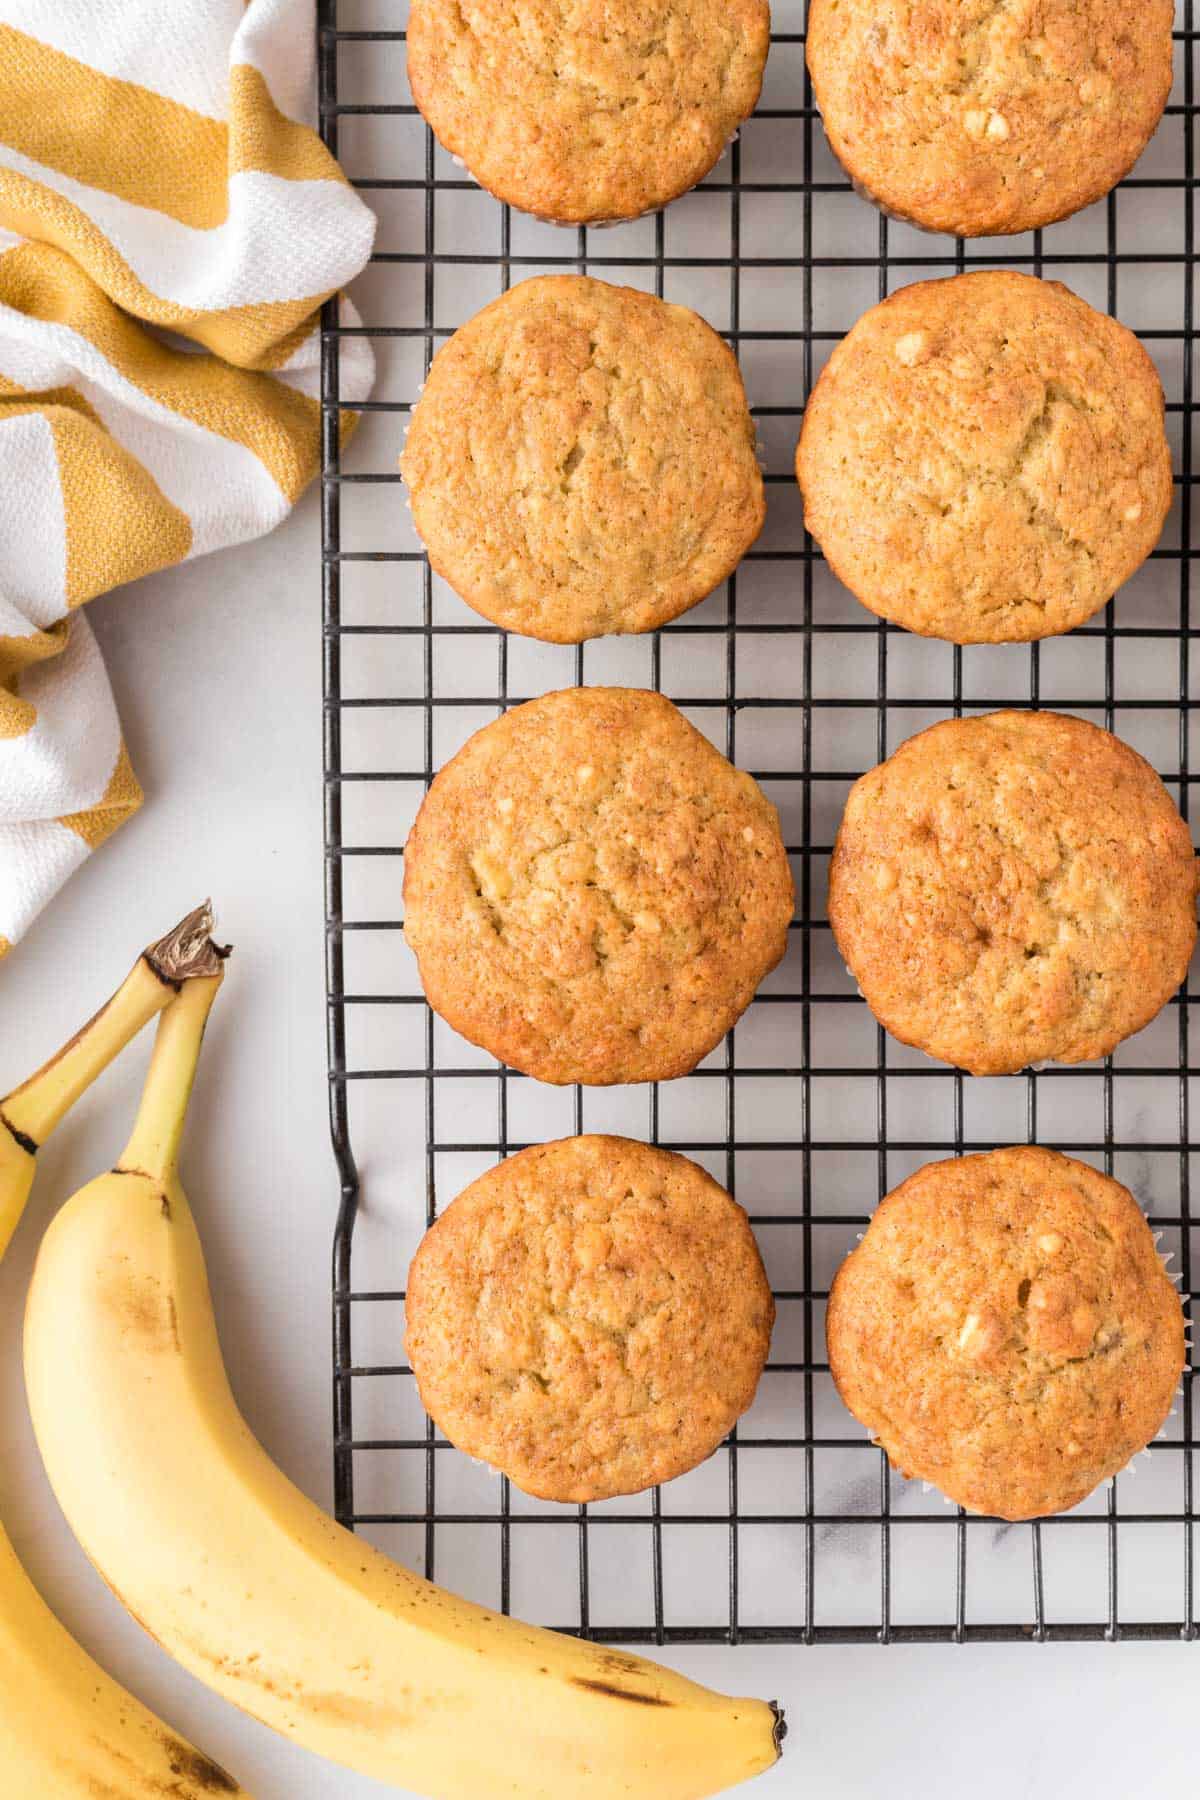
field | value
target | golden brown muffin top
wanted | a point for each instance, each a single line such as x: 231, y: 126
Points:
x: 983, y: 458
x: 989, y: 116
x: 1012, y: 888
x: 586, y: 113
x: 592, y: 892
x: 1007, y: 1331
x: 582, y: 460
x: 591, y: 1317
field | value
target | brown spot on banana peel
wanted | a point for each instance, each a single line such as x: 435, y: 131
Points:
x: 779, y: 1729
x: 193, y: 1766
x: 191, y: 1775
x: 20, y: 1138
x: 624, y: 1665
x: 617, y: 1693
x: 143, y: 1310
x: 349, y: 1709
x: 359, y: 1711
x: 140, y: 1175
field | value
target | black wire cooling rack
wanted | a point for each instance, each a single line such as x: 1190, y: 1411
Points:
x: 795, y: 1531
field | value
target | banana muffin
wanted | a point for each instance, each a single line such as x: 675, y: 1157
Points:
x: 586, y: 115
x: 984, y: 459
x: 592, y: 892
x: 1006, y: 1331
x: 980, y: 118
x: 591, y: 1317
x: 1013, y: 888
x: 582, y: 460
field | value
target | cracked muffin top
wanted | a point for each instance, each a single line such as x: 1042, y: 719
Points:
x: 582, y: 460
x: 583, y: 113
x: 592, y: 892
x: 1006, y: 1331
x: 981, y: 117
x: 1013, y: 888
x: 983, y: 458
x: 590, y: 1317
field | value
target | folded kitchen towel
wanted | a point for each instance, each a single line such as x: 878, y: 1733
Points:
x: 160, y: 182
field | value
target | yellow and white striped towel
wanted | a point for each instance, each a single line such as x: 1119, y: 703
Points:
x: 159, y: 181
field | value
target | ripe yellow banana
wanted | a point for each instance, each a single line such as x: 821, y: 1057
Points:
x: 67, y: 1729
x: 247, y: 1584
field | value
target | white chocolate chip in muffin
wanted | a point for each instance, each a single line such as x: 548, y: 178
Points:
x: 1050, y: 1243
x: 1095, y: 87
x: 970, y: 1327
x: 492, y: 875
x: 912, y: 348
x: 592, y: 1245
x: 978, y: 124
x: 585, y: 772
x: 1133, y: 513
x: 983, y: 1333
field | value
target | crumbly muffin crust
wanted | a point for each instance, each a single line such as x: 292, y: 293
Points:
x: 592, y: 891
x: 983, y: 117
x: 1013, y: 888
x: 1006, y: 1330
x: 587, y: 114
x: 591, y: 1317
x: 984, y: 459
x: 582, y: 460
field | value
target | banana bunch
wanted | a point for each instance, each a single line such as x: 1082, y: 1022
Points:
x: 264, y: 1597
x: 66, y: 1728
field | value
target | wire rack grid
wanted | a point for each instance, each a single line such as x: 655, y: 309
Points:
x: 795, y: 1531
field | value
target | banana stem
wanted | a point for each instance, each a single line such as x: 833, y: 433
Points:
x: 32, y: 1110
x: 153, y: 1147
